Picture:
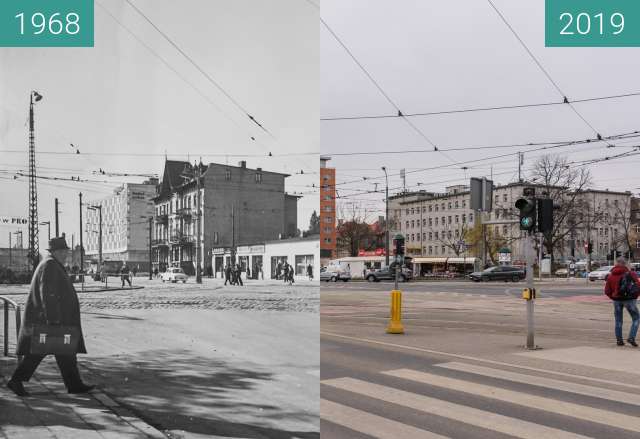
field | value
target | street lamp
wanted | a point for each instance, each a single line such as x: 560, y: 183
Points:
x: 386, y: 218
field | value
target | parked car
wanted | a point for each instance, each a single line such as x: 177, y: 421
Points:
x: 389, y: 273
x: 330, y: 274
x: 174, y: 275
x: 601, y: 273
x: 499, y: 272
x: 562, y: 272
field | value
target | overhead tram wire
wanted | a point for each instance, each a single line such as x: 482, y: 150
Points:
x: 577, y: 163
x: 479, y: 109
x: 200, y: 69
x: 178, y: 74
x: 541, y: 67
x: 552, y: 146
x: 386, y: 96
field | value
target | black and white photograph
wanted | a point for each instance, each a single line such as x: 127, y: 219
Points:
x: 160, y: 245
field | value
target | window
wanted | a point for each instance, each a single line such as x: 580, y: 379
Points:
x: 504, y: 230
x: 504, y: 198
x: 436, y: 235
x: 407, y: 211
x: 227, y: 174
x: 430, y: 208
x: 464, y: 218
x: 436, y: 220
x: 327, y: 240
x: 457, y: 205
x: 442, y: 248
x: 413, y: 224
x: 470, y: 217
x: 424, y: 209
x: 431, y: 248
x: 412, y: 211
x: 327, y: 197
x: 328, y: 219
x: 442, y: 205
x: 457, y: 219
x: 216, y: 237
x: 464, y: 203
x: 407, y: 225
x: 436, y: 207
x: 431, y: 223
x: 449, y: 205
x: 424, y: 222
x: 457, y: 233
x: 327, y: 208
x: 430, y: 236
x: 637, y: 244
x: 424, y: 236
x: 258, y: 177
x: 412, y: 237
x: 449, y: 234
x: 325, y: 178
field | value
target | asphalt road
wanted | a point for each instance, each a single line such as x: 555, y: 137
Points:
x: 549, y: 288
x: 460, y: 370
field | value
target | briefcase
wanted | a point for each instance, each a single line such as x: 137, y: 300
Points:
x: 48, y: 339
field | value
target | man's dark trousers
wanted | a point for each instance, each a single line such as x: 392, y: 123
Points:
x: 68, y: 365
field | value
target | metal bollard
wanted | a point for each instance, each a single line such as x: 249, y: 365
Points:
x: 6, y: 329
x: 395, y: 324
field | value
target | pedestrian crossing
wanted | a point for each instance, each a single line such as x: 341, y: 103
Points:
x: 514, y: 406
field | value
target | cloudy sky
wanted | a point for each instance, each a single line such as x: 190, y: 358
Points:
x: 137, y: 94
x: 439, y: 56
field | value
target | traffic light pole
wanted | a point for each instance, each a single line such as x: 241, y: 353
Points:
x: 530, y: 303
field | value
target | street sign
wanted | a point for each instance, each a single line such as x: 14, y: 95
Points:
x: 481, y: 194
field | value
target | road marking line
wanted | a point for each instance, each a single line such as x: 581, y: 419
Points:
x: 369, y: 424
x: 586, y: 413
x: 581, y: 389
x: 484, y: 360
x: 459, y: 413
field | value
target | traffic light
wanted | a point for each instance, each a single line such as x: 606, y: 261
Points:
x: 545, y: 215
x: 527, y: 207
x: 398, y: 245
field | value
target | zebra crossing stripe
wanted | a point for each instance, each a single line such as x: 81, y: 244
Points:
x: 586, y: 413
x: 456, y: 412
x: 580, y: 389
x: 370, y: 424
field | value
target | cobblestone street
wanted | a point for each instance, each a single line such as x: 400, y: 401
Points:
x: 192, y: 360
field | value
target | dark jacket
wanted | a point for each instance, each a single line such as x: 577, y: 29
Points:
x: 613, y: 281
x: 52, y: 300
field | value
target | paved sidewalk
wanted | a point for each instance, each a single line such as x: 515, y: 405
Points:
x: 50, y: 412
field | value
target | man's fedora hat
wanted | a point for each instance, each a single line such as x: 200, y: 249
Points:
x: 58, y: 244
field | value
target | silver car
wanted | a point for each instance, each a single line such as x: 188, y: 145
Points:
x: 601, y: 273
x: 334, y: 275
x: 174, y: 275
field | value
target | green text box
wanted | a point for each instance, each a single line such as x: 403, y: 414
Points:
x: 592, y: 23
x: 46, y: 23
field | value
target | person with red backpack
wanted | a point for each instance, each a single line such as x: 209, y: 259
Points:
x: 623, y: 287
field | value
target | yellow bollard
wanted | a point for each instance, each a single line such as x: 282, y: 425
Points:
x: 395, y: 324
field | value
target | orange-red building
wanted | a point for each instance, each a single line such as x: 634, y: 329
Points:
x: 327, y: 210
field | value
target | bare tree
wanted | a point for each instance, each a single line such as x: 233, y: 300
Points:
x: 453, y: 238
x: 353, y: 231
x: 627, y: 232
x: 565, y: 186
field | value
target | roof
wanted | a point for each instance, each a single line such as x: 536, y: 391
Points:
x: 306, y: 238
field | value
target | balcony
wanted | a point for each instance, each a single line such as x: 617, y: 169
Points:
x: 185, y: 212
x: 162, y: 219
x: 159, y: 243
x: 182, y: 239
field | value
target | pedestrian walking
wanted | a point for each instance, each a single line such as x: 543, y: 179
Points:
x: 261, y: 272
x: 310, y: 271
x: 227, y: 274
x: 622, y: 287
x: 239, y: 273
x: 278, y: 270
x: 248, y: 272
x: 155, y: 272
x: 52, y: 307
x: 135, y: 270
x: 124, y: 274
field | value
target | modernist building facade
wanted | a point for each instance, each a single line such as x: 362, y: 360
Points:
x: 125, y: 225
x: 229, y: 206
x: 327, y: 209
x: 433, y: 222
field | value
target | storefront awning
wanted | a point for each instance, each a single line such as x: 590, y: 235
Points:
x: 469, y: 260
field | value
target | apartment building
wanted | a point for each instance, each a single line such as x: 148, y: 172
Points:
x: 327, y: 210
x: 433, y: 223
x: 125, y: 225
x: 238, y: 206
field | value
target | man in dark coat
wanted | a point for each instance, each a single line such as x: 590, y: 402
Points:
x: 620, y: 302
x: 227, y: 274
x: 124, y: 274
x: 52, y: 301
x: 239, y: 275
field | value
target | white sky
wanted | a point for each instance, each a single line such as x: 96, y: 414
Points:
x: 119, y: 97
x: 434, y: 56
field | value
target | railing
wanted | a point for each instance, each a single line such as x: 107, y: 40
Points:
x: 184, y: 212
x: 159, y: 242
x: 5, y: 334
x: 162, y: 219
x: 182, y: 239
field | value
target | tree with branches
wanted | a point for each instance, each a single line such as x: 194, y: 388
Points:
x: 353, y: 231
x: 556, y: 179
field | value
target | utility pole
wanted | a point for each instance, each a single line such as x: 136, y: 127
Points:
x: 530, y: 303
x: 520, y: 162
x: 99, y: 209
x: 81, y: 243
x: 48, y: 224
x: 198, y: 226
x: 34, y: 247
x: 386, y: 218
x: 150, y: 248
x: 57, y: 223
x: 233, y: 234
x: 9, y: 249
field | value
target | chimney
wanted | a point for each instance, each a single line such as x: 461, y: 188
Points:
x: 259, y: 169
x: 242, y: 164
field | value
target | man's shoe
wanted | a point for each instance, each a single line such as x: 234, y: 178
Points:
x: 83, y: 388
x: 17, y: 388
x: 632, y: 342
x: 620, y: 342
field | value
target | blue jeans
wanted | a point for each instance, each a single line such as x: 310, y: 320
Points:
x: 618, y: 306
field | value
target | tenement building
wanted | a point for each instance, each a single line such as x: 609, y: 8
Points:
x: 437, y: 224
x: 125, y: 226
x: 214, y: 208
